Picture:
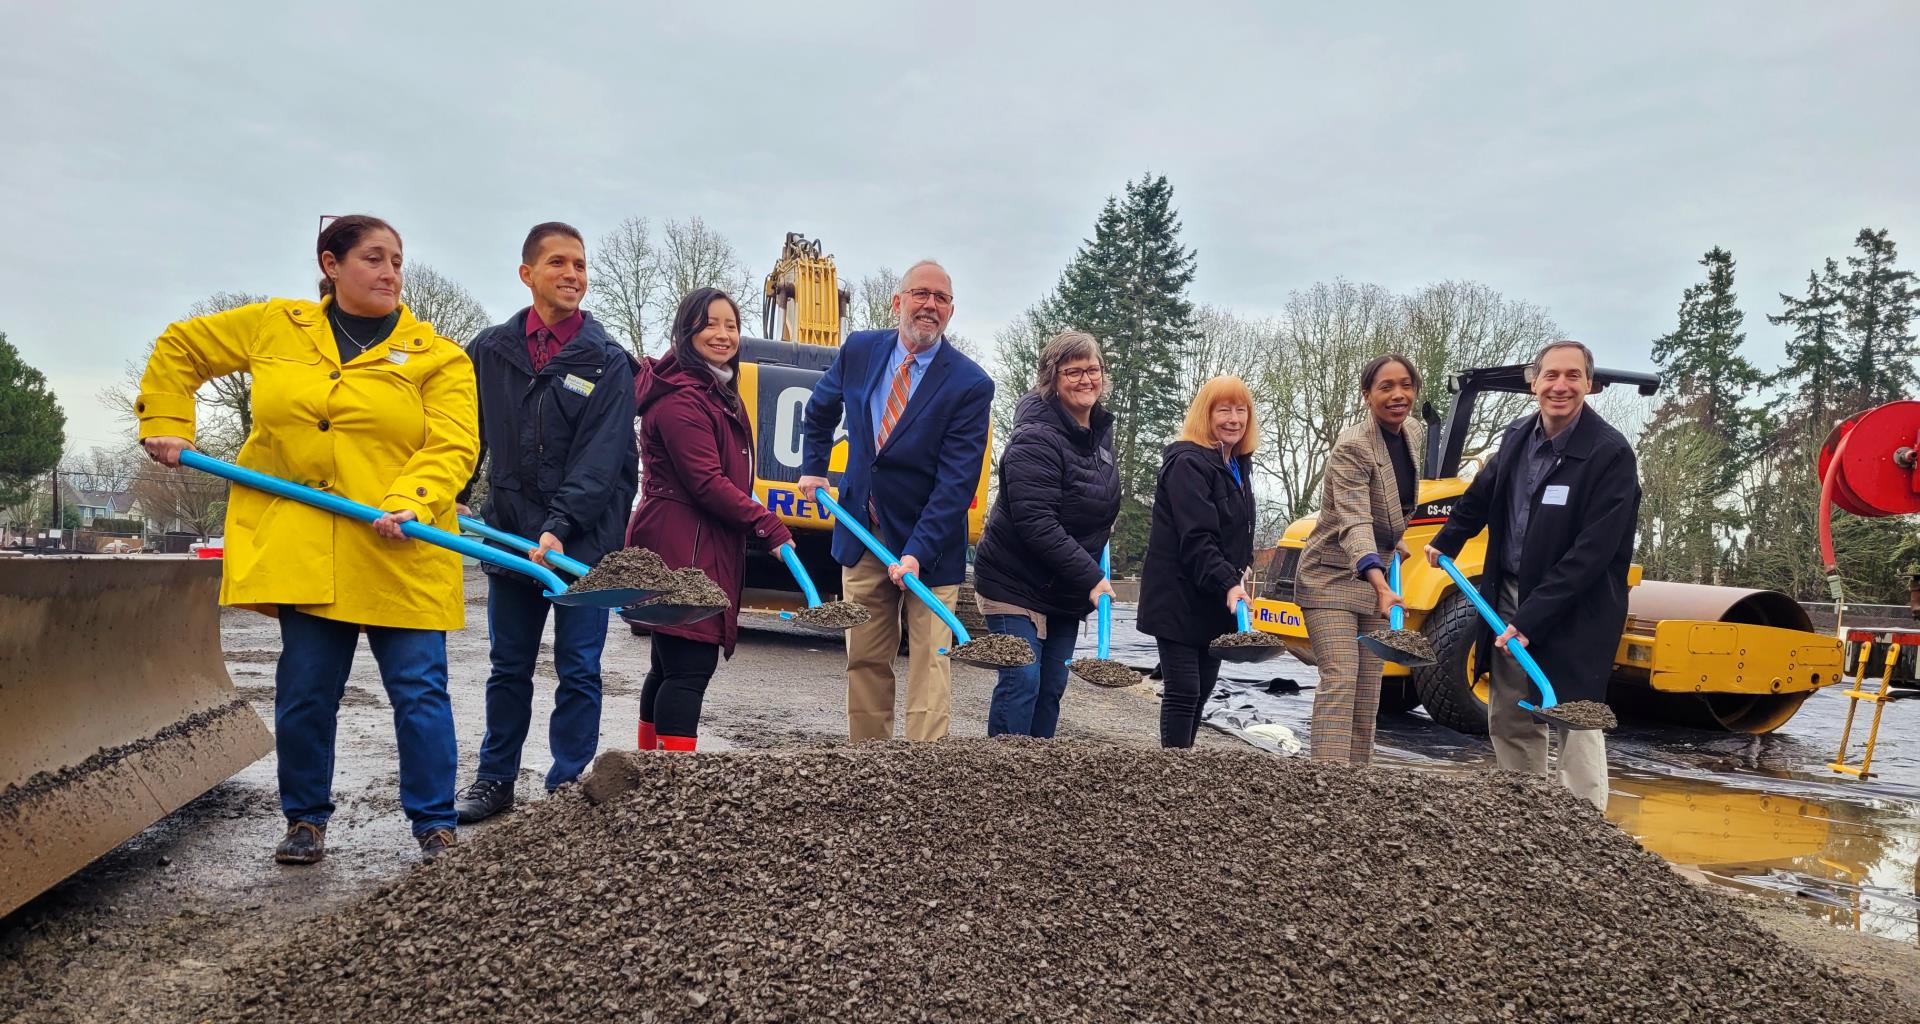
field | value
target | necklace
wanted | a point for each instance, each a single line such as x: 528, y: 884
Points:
x: 334, y: 318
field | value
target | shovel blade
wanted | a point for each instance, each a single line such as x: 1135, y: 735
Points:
x: 1547, y: 716
x: 1387, y: 652
x: 612, y: 597
x: 669, y: 614
x: 1246, y: 655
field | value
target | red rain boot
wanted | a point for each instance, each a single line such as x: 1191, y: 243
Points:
x: 648, y: 740
x: 678, y: 743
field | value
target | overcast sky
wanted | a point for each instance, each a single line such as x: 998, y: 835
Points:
x: 151, y: 154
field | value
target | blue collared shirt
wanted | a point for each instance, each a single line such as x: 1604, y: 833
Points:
x: 921, y: 360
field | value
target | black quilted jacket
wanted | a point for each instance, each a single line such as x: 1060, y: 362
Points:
x: 1059, y: 495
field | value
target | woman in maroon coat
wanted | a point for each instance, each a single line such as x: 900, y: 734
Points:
x: 696, y: 503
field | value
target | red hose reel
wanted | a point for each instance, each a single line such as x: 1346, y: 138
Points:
x: 1870, y: 466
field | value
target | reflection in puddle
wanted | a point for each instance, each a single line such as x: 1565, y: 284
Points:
x: 1850, y: 864
x: 1758, y: 814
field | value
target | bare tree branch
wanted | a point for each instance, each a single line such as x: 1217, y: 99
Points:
x: 439, y: 300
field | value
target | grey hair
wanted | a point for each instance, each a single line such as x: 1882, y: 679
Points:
x: 935, y: 264
x: 1060, y: 349
x: 1533, y: 368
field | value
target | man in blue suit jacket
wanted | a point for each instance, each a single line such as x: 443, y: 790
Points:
x: 916, y: 413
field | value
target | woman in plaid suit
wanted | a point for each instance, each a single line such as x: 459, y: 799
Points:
x: 1371, y: 481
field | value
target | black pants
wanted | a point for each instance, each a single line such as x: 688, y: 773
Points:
x: 1187, y: 676
x: 677, y: 684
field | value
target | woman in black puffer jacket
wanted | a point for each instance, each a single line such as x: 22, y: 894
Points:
x: 1037, y: 568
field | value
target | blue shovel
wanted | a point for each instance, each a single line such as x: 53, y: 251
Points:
x: 846, y: 612
x: 1102, y: 670
x: 639, y: 611
x: 913, y: 584
x: 1394, y: 643
x: 556, y: 591
x: 1246, y: 654
x: 1548, y: 700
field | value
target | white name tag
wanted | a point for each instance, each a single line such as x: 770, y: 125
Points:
x: 396, y: 356
x: 577, y: 385
x: 1555, y: 494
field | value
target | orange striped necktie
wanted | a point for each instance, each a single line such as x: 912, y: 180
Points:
x: 896, y: 401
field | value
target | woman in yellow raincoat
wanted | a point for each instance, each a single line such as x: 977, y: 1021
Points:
x: 354, y: 396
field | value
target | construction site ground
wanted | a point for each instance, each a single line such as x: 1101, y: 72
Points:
x: 150, y: 931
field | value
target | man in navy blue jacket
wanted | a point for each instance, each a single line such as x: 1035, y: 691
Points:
x: 916, y: 420
x: 556, y: 417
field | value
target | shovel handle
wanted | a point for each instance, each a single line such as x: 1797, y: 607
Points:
x: 1106, y: 604
x: 1396, y: 619
x: 1241, y: 618
x: 367, y: 513
x: 800, y: 576
x: 880, y: 551
x: 1492, y: 618
x: 477, y: 527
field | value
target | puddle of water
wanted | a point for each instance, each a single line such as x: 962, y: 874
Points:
x: 1759, y: 814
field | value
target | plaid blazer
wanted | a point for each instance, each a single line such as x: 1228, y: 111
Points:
x: 1359, y: 513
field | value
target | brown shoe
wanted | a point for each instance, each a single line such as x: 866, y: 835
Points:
x: 435, y: 843
x: 305, y: 843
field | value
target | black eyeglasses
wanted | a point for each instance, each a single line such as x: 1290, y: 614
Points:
x: 923, y: 294
x: 1080, y: 373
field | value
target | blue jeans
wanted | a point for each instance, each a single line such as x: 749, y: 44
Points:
x: 1026, y: 701
x: 316, y: 656
x: 516, y: 616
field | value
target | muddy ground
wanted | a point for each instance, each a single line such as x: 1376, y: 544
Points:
x: 145, y: 932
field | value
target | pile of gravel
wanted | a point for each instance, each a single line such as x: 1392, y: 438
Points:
x: 1104, y: 672
x: 832, y: 615
x: 627, y: 568
x: 1407, y: 641
x: 688, y: 588
x: 994, y: 650
x: 1584, y: 714
x: 1042, y: 880
x: 1250, y: 638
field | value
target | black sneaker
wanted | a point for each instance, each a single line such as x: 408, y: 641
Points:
x: 305, y: 843
x: 482, y: 800
x: 435, y: 843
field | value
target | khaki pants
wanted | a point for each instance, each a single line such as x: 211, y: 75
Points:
x: 1520, y: 740
x: 873, y: 645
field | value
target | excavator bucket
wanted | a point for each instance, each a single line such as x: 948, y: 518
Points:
x: 115, y: 707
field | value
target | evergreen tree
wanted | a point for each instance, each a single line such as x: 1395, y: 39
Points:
x: 1127, y: 286
x: 1815, y: 372
x: 1880, y: 304
x: 1702, y: 356
x: 33, y: 429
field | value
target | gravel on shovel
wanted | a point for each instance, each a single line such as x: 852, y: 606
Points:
x: 1037, y: 880
x: 1104, y: 672
x: 1251, y: 638
x: 1590, y: 714
x: 1411, y: 641
x: 996, y: 650
x: 688, y: 588
x: 832, y: 615
x: 628, y: 567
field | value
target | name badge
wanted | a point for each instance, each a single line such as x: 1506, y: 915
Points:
x: 577, y: 385
x: 1555, y: 494
x: 396, y: 357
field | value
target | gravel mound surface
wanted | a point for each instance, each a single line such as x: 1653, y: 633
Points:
x: 1408, y: 641
x: 1250, y: 638
x: 832, y: 615
x: 995, y: 650
x: 688, y: 588
x: 1589, y: 714
x: 1043, y: 881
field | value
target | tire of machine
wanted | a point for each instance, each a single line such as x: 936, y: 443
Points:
x: 1443, y: 686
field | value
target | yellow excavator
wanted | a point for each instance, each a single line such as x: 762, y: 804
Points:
x: 804, y: 318
x: 1721, y: 658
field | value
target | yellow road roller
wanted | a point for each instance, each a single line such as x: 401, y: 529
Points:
x: 1719, y: 658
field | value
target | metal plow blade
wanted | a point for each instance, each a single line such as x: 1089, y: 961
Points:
x: 115, y: 708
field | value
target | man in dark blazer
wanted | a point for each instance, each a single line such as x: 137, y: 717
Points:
x: 1559, y: 502
x: 916, y: 422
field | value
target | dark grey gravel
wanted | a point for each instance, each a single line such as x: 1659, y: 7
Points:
x: 688, y: 588
x: 1023, y: 880
x: 1588, y: 714
x: 832, y: 615
x: 995, y: 650
x: 637, y: 568
x: 1412, y: 641
x: 1104, y: 672
x: 1251, y: 638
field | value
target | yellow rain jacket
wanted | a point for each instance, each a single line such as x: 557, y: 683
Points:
x: 395, y: 428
